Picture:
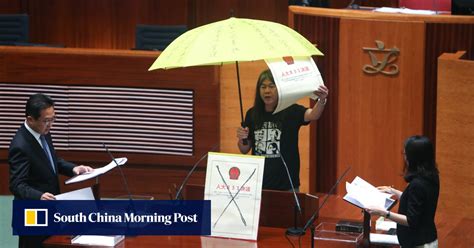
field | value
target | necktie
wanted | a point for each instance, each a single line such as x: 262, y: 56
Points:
x: 47, y: 151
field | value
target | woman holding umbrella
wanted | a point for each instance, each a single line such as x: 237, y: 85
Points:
x: 278, y: 131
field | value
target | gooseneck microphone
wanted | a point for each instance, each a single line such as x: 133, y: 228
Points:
x: 121, y: 172
x: 178, y: 193
x: 316, y: 213
x: 293, y: 231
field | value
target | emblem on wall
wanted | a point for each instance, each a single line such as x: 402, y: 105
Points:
x: 388, y: 57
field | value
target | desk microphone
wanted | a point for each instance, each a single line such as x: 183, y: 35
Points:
x: 121, y: 172
x: 316, y: 213
x: 178, y: 194
x: 351, y: 5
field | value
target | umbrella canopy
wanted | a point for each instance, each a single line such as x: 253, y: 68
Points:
x: 231, y: 40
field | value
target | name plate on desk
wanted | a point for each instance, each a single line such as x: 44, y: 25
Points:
x: 234, y: 186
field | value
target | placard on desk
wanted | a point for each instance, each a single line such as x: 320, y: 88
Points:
x: 325, y: 233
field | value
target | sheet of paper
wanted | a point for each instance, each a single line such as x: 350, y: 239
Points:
x: 295, y: 78
x: 405, y: 11
x: 80, y: 194
x: 96, y: 172
x: 361, y: 183
x: 234, y: 186
x: 378, y: 238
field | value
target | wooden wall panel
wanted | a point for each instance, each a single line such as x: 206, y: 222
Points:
x: 160, y: 183
x: 441, y: 38
x: 230, y: 109
x: 71, y: 66
x: 378, y: 112
x: 455, y: 133
x: 10, y: 6
x: 270, y: 10
x: 206, y: 11
x: 121, y: 68
x: 100, y: 23
x: 111, y: 23
x: 324, y: 32
x: 440, y: 32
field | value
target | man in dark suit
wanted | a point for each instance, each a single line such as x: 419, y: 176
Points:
x: 34, y: 166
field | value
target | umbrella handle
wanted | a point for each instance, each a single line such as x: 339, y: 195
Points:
x: 244, y: 141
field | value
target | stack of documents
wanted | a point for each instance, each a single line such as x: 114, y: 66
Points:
x: 384, y: 225
x: 386, y: 239
x: 97, y: 240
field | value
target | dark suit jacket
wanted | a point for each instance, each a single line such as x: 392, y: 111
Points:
x: 418, y: 202
x: 31, y: 174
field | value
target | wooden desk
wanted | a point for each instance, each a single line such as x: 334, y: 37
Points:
x: 453, y: 231
x: 267, y: 237
x: 334, y: 210
x: 277, y: 208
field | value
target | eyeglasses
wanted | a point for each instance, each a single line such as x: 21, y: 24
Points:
x: 48, y: 121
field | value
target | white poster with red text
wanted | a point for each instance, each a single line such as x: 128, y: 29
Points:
x: 295, y: 78
x: 234, y: 186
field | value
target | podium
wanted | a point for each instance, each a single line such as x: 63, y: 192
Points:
x: 455, y: 125
x: 277, y: 207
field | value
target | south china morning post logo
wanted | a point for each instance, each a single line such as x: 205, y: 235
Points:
x: 36, y: 217
x: 111, y: 217
x: 104, y: 217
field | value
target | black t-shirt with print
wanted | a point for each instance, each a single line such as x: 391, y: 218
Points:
x: 278, y: 132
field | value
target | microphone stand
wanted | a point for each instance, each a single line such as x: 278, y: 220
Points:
x: 311, y: 220
x: 132, y: 206
x: 178, y: 193
x: 293, y: 231
x: 121, y: 171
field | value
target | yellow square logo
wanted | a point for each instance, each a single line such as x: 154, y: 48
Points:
x: 36, y: 217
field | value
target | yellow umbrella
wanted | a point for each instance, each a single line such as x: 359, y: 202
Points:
x: 234, y: 40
